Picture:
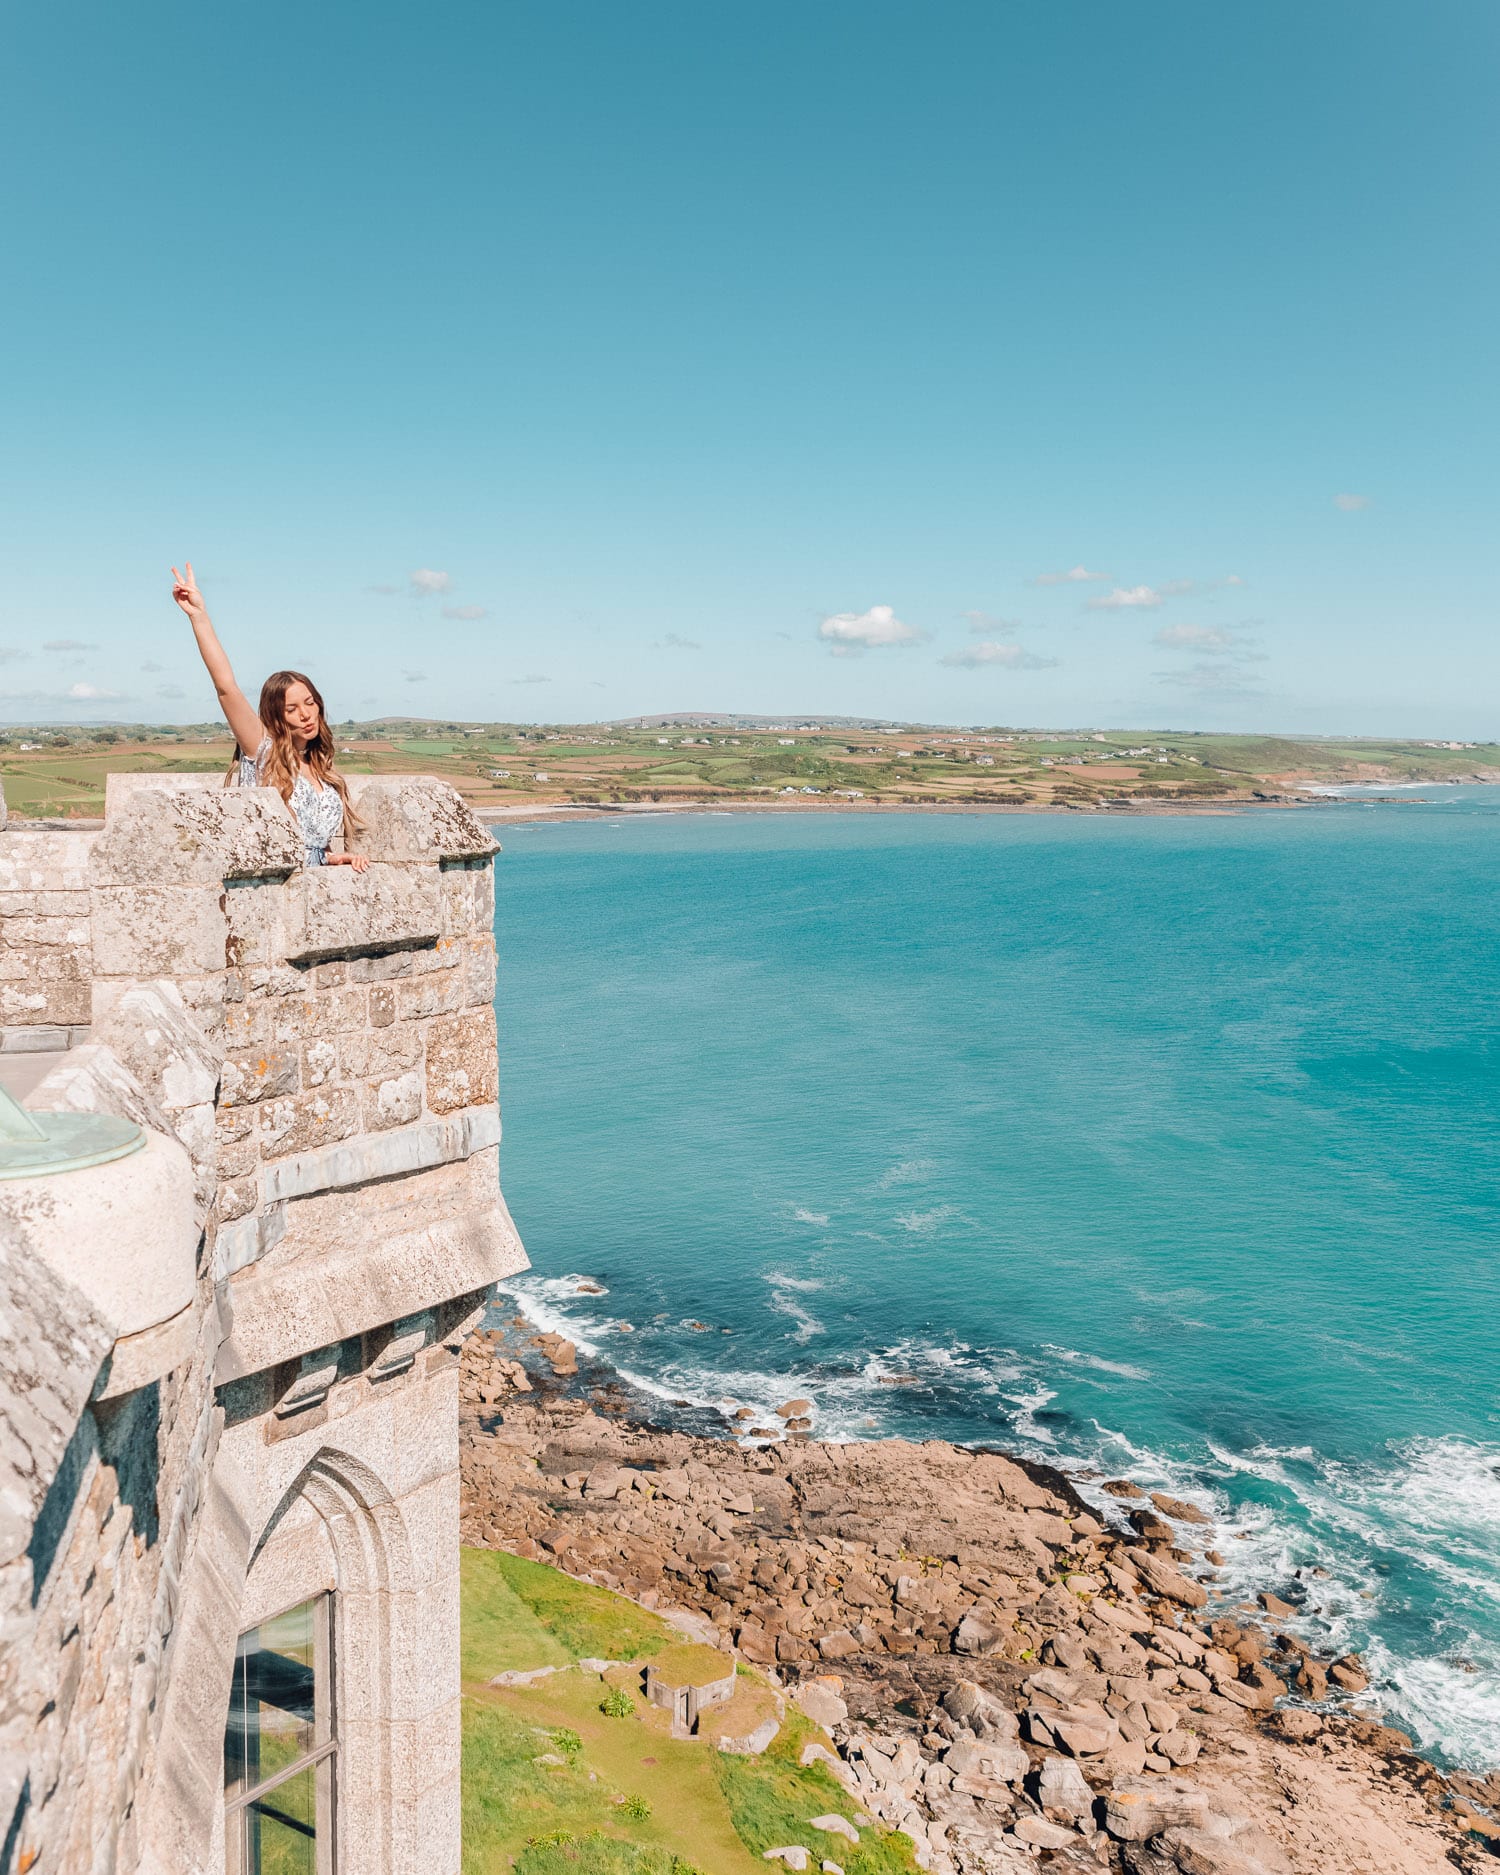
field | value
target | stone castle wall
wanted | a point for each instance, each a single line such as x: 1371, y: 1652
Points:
x: 231, y: 1359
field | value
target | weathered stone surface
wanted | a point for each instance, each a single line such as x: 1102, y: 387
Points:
x: 461, y: 1061
x: 416, y: 1148
x: 352, y: 1266
x: 1136, y: 1809
x: 412, y: 817
x: 333, y: 911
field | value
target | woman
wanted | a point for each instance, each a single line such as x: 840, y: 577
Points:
x: 289, y: 734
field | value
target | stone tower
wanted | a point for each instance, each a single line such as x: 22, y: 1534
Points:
x: 229, y: 1359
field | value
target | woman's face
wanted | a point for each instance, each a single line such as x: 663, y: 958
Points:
x: 301, y: 712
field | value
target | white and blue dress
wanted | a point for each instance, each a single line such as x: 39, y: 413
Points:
x: 318, y: 811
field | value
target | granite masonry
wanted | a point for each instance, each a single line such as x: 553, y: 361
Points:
x: 229, y: 1361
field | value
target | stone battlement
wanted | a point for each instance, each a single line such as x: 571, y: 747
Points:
x: 230, y: 1394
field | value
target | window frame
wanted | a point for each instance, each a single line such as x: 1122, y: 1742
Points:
x: 321, y: 1759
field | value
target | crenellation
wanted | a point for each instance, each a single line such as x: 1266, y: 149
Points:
x: 271, y: 1342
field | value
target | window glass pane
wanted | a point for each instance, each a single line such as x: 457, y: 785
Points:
x: 280, y: 1836
x: 272, y: 1698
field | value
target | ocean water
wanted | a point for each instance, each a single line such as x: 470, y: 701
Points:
x: 1161, y: 1146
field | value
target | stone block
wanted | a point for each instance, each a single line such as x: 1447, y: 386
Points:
x: 320, y: 1062
x: 367, y: 1054
x: 255, y: 914
x: 178, y: 836
x: 249, y: 1079
x: 45, y: 862
x: 477, y: 971
x: 151, y: 1032
x: 333, y: 911
x: 462, y: 1066
x: 159, y: 930
x: 54, y: 1004
x: 304, y: 1122
x: 395, y: 1101
x: 416, y: 817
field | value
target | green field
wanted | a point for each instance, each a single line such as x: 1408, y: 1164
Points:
x: 60, y: 773
x: 554, y: 1785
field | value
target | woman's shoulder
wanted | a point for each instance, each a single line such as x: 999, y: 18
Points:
x: 252, y: 767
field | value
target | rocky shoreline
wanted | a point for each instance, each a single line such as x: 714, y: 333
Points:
x: 1009, y: 1676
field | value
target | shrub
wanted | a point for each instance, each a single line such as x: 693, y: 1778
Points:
x: 636, y: 1808
x: 617, y: 1704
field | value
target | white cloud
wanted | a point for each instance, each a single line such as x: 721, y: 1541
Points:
x: 982, y: 622
x: 1123, y: 597
x: 1351, y: 504
x: 91, y: 693
x: 68, y: 644
x: 859, y: 631
x: 427, y: 580
x: 672, y: 642
x: 171, y: 692
x: 415, y: 677
x: 1075, y: 576
x: 152, y: 669
x: 1195, y: 638
x: 1174, y: 588
x: 466, y: 612
x: 10, y: 655
x: 1234, y: 580
x: 1008, y: 657
x: 531, y: 678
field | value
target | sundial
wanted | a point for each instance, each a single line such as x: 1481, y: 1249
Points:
x: 33, y: 1145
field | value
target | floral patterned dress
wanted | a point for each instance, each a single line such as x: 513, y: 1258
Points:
x: 318, y: 811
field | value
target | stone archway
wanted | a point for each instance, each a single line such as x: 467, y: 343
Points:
x: 339, y: 1527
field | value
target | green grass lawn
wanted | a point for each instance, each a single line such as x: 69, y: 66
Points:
x: 621, y: 1795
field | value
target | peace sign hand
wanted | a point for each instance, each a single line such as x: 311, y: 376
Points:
x: 185, y: 590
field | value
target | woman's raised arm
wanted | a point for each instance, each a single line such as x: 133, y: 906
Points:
x: 242, y: 719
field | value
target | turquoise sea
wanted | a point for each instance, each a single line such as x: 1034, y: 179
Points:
x: 1160, y: 1146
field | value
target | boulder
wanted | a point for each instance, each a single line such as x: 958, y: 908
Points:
x: 969, y: 1704
x: 1348, y: 1675
x: 794, y: 1409
x: 1312, y: 1680
x: 1083, y: 1731
x: 1159, y: 1576
x: 977, y: 1636
x: 1178, y: 1509
x: 820, y: 1700
x: 1300, y: 1727
x: 793, y: 1855
x: 840, y: 1645
x: 1138, y: 1808
x: 1041, y: 1834
x: 995, y: 1759
x: 751, y: 1744
x: 1063, y: 1792
x: 835, y: 1825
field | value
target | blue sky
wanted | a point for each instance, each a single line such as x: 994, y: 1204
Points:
x: 568, y: 361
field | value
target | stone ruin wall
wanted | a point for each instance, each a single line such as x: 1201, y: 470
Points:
x: 317, y: 1049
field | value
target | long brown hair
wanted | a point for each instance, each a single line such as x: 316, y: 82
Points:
x: 281, y: 766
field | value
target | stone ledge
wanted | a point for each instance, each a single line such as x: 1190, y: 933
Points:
x: 42, y: 1038
x: 136, y: 1360
x: 383, y: 1155
x: 280, y: 1314
x: 333, y: 912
